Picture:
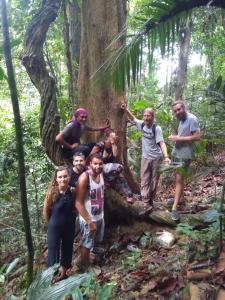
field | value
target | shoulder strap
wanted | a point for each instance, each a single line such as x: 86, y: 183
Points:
x: 153, y: 127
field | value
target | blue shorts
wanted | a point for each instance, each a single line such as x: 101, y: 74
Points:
x: 89, y: 240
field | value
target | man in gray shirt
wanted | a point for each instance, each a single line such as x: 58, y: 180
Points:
x: 188, y: 133
x: 153, y: 150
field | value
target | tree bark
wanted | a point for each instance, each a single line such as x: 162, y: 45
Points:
x: 19, y: 141
x: 33, y: 60
x: 72, y: 33
x: 101, y: 21
x: 185, y: 38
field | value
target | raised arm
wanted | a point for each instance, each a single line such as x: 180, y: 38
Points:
x: 113, y: 138
x: 130, y: 116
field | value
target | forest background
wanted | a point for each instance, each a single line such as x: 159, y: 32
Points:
x: 193, y: 43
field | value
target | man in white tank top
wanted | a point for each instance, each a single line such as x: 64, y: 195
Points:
x: 90, y: 205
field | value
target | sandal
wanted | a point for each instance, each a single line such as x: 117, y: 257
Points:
x: 58, y: 276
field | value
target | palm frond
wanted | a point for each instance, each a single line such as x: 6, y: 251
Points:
x: 157, y: 24
x: 41, y: 288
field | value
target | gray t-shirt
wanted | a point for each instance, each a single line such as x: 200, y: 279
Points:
x: 184, y: 150
x: 72, y: 133
x: 150, y: 147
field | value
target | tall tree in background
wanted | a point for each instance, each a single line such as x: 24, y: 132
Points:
x: 184, y: 51
x: 19, y: 140
x: 72, y: 36
x: 101, y: 22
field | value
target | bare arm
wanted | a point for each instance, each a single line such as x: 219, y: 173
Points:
x: 107, y: 125
x: 81, y: 194
x: 164, y: 151
x: 190, y: 138
x: 113, y: 138
x: 46, y: 210
x: 60, y: 139
x: 94, y: 150
x: 130, y: 116
x: 114, y: 150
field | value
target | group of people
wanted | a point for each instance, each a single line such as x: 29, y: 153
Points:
x: 79, y: 190
x: 154, y: 150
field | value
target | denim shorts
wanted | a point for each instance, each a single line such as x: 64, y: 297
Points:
x: 89, y: 240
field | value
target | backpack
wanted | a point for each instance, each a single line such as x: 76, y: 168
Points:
x: 153, y: 129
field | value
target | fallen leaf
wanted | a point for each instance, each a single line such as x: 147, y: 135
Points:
x: 168, y: 285
x: 152, y: 284
x: 194, y: 291
x: 139, y: 274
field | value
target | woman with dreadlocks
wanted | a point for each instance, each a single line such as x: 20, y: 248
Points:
x: 59, y: 211
x: 69, y: 138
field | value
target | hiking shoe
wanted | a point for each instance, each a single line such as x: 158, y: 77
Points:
x: 169, y: 202
x: 175, y: 215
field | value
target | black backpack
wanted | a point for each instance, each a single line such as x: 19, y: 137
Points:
x: 153, y: 129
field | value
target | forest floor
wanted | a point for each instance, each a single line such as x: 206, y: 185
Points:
x: 136, y: 264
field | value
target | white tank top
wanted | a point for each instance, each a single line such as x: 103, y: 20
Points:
x: 94, y: 201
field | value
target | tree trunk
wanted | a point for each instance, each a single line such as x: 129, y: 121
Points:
x: 33, y: 60
x: 72, y: 33
x: 185, y: 38
x: 19, y: 141
x: 101, y: 21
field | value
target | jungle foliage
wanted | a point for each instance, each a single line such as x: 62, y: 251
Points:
x: 151, y: 40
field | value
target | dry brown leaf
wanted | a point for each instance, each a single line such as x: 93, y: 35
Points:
x: 194, y: 291
x: 168, y: 285
x: 139, y: 274
x: 152, y: 284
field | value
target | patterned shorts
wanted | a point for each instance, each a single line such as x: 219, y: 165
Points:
x: 88, y: 239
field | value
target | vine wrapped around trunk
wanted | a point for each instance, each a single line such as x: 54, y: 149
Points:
x: 33, y: 60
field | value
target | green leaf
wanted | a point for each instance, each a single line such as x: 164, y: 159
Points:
x: 218, y: 83
x: 104, y: 293
x: 41, y: 288
x: 211, y: 215
x: 76, y: 294
x: 12, y: 265
x: 2, y: 74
